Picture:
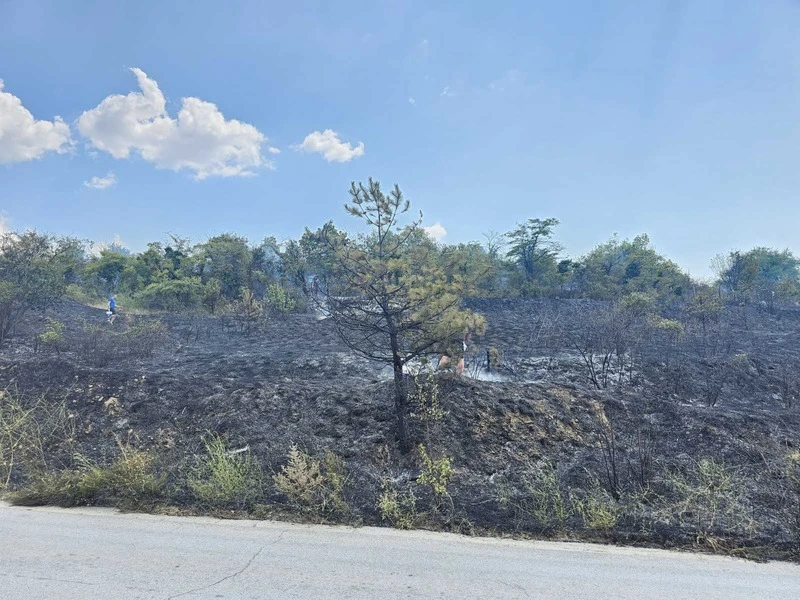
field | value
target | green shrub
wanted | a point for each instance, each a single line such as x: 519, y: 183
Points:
x: 313, y: 486
x: 399, y: 510
x: 175, y: 295
x: 248, y: 312
x: 424, y: 398
x: 224, y: 479
x: 538, y: 497
x: 53, y: 335
x: 212, y: 294
x: 279, y: 300
x: 436, y: 473
x: 81, y: 295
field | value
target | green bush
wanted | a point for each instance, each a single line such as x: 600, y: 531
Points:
x: 53, y: 335
x: 279, y: 300
x: 546, y: 501
x: 79, y: 294
x: 539, y: 497
x: 436, y: 473
x: 248, y: 312
x: 175, y: 295
x: 424, y: 399
x: 224, y: 479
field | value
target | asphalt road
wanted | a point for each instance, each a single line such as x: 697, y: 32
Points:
x: 98, y: 553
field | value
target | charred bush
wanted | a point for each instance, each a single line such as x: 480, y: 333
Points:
x: 102, y: 344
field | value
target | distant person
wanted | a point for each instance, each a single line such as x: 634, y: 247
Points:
x: 455, y: 350
x: 112, y: 308
x: 314, y: 287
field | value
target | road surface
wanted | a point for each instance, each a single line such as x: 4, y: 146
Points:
x: 101, y: 554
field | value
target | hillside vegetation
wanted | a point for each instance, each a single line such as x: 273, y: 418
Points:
x: 608, y: 397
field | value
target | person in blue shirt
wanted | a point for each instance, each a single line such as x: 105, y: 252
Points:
x: 112, y: 308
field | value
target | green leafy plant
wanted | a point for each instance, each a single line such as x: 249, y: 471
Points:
x: 53, y: 335
x: 424, y: 399
x: 226, y: 479
x: 436, y: 473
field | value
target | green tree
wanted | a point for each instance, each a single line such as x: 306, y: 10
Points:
x: 481, y: 270
x: 761, y: 274
x: 532, y: 248
x: 174, y: 295
x: 107, y: 269
x: 226, y: 257
x: 737, y: 274
x: 402, y: 305
x: 34, y: 272
x: 620, y: 267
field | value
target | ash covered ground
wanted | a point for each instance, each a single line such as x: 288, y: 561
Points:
x: 293, y: 382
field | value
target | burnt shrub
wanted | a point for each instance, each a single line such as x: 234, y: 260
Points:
x: 100, y: 343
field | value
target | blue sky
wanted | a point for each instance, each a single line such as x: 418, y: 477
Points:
x: 678, y: 119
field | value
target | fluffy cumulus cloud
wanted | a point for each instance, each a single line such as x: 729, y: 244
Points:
x: 22, y: 137
x: 331, y: 147
x: 101, y: 183
x: 200, y: 139
x: 436, y: 231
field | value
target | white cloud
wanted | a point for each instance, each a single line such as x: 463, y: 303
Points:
x: 436, y: 231
x: 101, y: 183
x: 22, y: 137
x: 331, y: 147
x: 412, y: 102
x: 200, y: 139
x: 273, y: 150
x: 447, y: 92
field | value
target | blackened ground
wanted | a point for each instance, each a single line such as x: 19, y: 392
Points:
x: 294, y: 382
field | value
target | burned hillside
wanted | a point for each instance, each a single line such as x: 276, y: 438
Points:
x: 665, y: 436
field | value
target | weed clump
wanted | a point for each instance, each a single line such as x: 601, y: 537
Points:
x: 226, y: 479
x: 398, y: 509
x: 311, y: 485
x: 128, y: 482
x: 31, y: 433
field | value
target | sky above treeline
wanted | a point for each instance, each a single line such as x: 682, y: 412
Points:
x: 134, y: 120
